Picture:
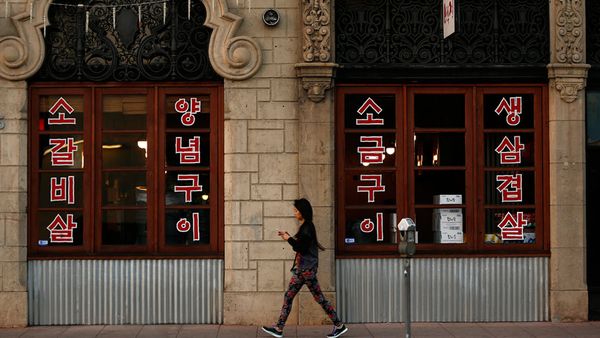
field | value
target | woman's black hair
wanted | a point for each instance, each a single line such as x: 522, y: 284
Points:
x: 303, y: 205
x: 305, y: 209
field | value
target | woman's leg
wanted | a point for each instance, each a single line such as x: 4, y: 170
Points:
x: 296, y: 283
x: 310, y: 278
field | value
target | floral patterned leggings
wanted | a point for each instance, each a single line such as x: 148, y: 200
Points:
x: 299, y: 278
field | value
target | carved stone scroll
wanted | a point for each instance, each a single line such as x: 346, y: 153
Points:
x: 234, y: 58
x: 22, y: 43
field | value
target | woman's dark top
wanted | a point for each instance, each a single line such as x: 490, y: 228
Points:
x: 305, y: 245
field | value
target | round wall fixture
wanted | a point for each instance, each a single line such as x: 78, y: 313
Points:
x: 271, y: 17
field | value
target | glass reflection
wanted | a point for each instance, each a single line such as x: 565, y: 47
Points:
x: 124, y: 188
x: 124, y: 112
x: 124, y: 151
x: 120, y: 227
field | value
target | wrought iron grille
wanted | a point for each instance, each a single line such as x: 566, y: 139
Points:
x: 132, y: 50
x: 408, y: 33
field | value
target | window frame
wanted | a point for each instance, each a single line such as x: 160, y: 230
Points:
x: 365, y: 249
x: 473, y: 203
x: 92, y: 246
x: 467, y: 169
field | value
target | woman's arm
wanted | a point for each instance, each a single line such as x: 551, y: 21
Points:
x: 301, y: 242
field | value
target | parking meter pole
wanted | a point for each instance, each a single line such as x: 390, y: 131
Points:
x: 407, y: 297
x: 407, y: 248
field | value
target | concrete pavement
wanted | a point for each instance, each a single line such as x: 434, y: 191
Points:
x: 387, y: 330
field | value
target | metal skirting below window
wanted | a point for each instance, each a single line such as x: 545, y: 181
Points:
x: 89, y: 292
x: 444, y: 289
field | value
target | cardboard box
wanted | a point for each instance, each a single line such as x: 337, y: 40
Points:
x: 447, y: 211
x: 453, y: 226
x: 447, y: 199
x: 448, y: 236
x: 447, y: 219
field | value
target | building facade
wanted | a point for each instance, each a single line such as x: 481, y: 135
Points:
x: 150, y: 150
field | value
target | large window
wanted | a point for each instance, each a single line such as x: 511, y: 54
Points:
x: 132, y: 170
x: 464, y: 162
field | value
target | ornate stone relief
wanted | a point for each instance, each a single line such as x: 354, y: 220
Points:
x: 316, y: 71
x: 317, y: 31
x: 569, y: 72
x: 234, y: 58
x: 568, y: 80
x: 22, y: 43
x: 316, y: 78
x: 570, y: 32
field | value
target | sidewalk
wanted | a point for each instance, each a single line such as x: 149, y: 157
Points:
x: 512, y: 330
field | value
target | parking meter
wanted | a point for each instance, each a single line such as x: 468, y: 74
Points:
x: 406, y: 244
x: 407, y: 248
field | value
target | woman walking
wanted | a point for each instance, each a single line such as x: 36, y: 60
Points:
x: 304, y: 270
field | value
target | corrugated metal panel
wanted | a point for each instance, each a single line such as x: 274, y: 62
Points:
x: 65, y: 292
x: 444, y: 290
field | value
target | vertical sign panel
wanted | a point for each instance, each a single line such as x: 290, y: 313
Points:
x: 369, y: 165
x: 448, y: 17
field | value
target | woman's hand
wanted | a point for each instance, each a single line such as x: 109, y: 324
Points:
x: 283, y: 234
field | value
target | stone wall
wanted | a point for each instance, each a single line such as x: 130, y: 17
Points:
x: 276, y: 150
x: 13, y: 203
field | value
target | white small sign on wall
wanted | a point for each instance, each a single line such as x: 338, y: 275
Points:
x: 448, y: 17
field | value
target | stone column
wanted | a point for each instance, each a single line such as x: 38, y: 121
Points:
x: 567, y: 73
x: 316, y: 132
x: 21, y: 55
x: 13, y: 203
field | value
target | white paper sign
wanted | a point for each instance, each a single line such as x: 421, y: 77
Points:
x: 448, y: 17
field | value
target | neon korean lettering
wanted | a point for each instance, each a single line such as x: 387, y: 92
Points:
x: 369, y: 120
x: 511, y: 187
x: 61, y: 119
x: 373, y: 154
x: 188, y: 189
x: 62, y: 189
x: 61, y: 231
x: 511, y: 228
x: 189, y: 154
x: 183, y: 225
x: 189, y: 110
x: 371, y: 189
x: 367, y: 226
x: 510, y: 152
x: 63, y: 151
x: 513, y: 110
